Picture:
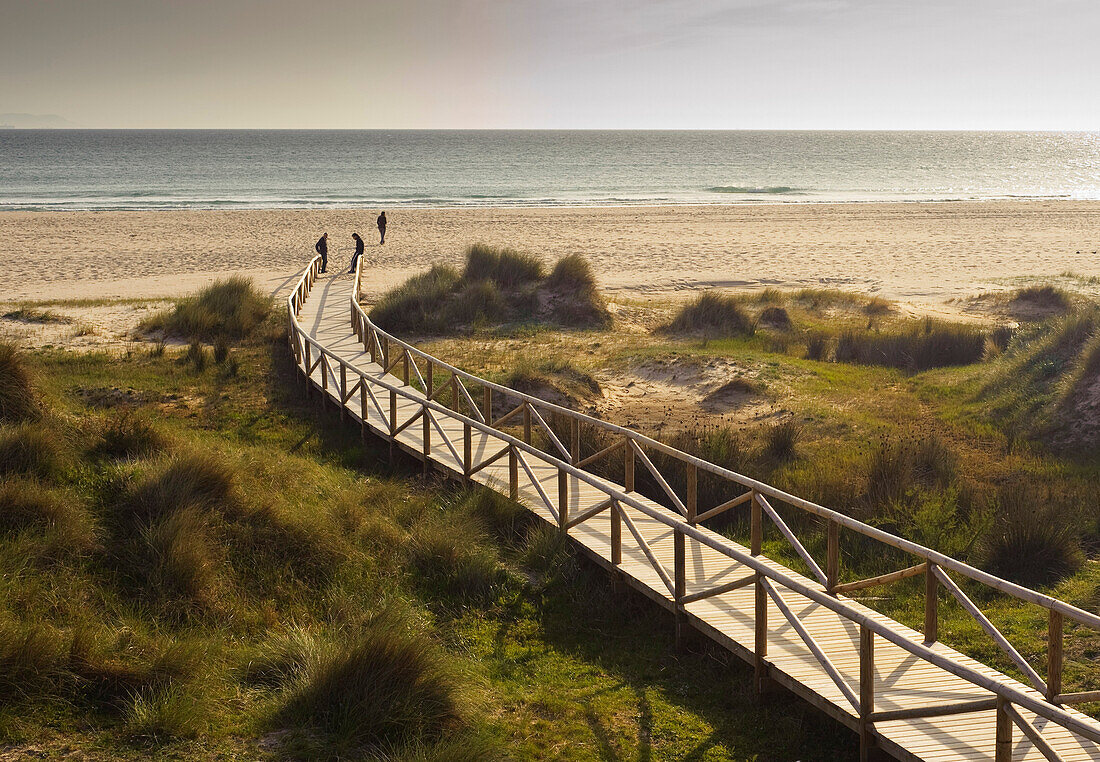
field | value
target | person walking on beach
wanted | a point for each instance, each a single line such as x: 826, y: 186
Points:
x: 358, y: 251
x: 322, y: 249
x: 382, y: 227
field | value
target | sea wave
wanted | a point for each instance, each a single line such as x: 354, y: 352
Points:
x: 769, y: 190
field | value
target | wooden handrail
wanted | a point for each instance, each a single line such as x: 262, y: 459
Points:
x: 1005, y: 689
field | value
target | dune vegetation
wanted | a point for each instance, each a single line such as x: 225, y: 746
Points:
x: 496, y: 286
x: 194, y: 563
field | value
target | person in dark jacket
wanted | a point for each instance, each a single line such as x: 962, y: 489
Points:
x: 382, y: 226
x: 322, y: 249
x: 358, y: 251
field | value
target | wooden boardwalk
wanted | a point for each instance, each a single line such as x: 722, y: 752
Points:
x: 871, y: 673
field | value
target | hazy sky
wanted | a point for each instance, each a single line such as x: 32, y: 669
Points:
x: 966, y: 64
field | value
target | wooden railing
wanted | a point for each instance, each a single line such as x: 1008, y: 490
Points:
x: 513, y: 429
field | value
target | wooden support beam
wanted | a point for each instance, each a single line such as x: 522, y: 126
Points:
x: 527, y: 422
x: 931, y: 604
x: 596, y: 456
x: 935, y: 710
x: 574, y: 440
x: 1080, y: 697
x: 429, y: 380
x: 616, y: 534
x: 760, y: 635
x: 739, y: 500
x: 593, y: 511
x: 882, y: 579
x: 563, y: 500
x: 691, y: 498
x: 720, y: 589
x: 1002, y: 750
x: 832, y: 557
x: 427, y: 435
x: 648, y: 551
x: 757, y: 528
x: 1032, y: 734
x: 1054, y: 654
x: 487, y: 402
x: 866, y: 691
x: 679, y: 554
x: 467, y: 452
x: 513, y: 473
x: 628, y: 467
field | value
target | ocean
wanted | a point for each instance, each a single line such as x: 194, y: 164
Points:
x: 246, y: 169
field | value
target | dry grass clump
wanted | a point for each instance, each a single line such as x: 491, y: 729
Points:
x: 898, y: 465
x: 713, y: 314
x: 230, y: 308
x: 385, y: 688
x: 781, y: 439
x: 507, y: 268
x: 128, y: 434
x: 1047, y: 298
x: 934, y: 345
x: 575, y: 296
x: 18, y: 401
x: 63, y: 521
x: 32, y: 450
x: 496, y: 286
x: 775, y: 317
x: 555, y: 381
x: 876, y: 305
x: 1035, y: 538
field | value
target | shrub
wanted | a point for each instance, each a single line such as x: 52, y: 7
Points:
x: 414, y: 305
x: 781, y: 439
x: 898, y: 465
x: 128, y: 434
x: 201, y: 480
x: 387, y: 687
x: 160, y: 714
x: 29, y: 507
x: 713, y: 314
x: 816, y: 347
x: 184, y: 556
x: 1034, y: 539
x: 1049, y: 298
x: 776, y: 317
x: 221, y: 350
x: 230, y: 308
x: 31, y: 450
x: 576, y: 298
x: 876, y: 305
x: 477, y: 302
x: 18, y: 402
x: 196, y: 356
x: 505, y: 267
x: 935, y: 345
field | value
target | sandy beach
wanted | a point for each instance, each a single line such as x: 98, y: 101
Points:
x: 914, y: 252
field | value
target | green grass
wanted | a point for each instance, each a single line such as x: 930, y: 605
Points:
x: 211, y: 569
x: 713, y: 314
x: 228, y: 309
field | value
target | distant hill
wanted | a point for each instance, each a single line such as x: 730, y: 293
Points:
x: 36, y: 121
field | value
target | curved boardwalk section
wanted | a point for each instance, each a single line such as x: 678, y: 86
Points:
x: 902, y: 690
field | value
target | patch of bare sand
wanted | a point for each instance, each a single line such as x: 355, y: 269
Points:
x: 109, y: 325
x: 671, y: 395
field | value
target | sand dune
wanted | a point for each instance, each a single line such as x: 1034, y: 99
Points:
x: 919, y: 252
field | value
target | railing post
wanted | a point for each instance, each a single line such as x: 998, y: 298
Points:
x: 616, y: 533
x: 385, y: 354
x: 513, y: 473
x: 343, y: 390
x: 1054, y: 655
x: 679, y: 583
x: 527, y: 422
x: 1003, y: 744
x: 691, y: 501
x: 931, y: 604
x: 832, y: 558
x: 405, y: 367
x: 429, y: 380
x: 628, y: 467
x: 866, y: 690
x: 363, y: 407
x: 308, y: 365
x: 760, y: 639
x: 427, y: 435
x: 574, y: 440
x: 467, y: 452
x: 393, y: 414
x: 455, y: 402
x: 757, y: 529
x: 563, y: 500
x: 487, y: 393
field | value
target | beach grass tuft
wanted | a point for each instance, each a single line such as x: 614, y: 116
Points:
x: 713, y: 314
x: 230, y: 309
x: 18, y: 400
